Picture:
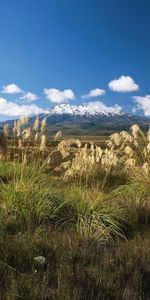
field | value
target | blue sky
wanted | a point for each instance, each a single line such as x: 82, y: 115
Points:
x: 75, y: 51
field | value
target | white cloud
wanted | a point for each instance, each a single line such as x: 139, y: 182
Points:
x: 99, y: 106
x: 123, y: 84
x: 9, y: 108
x: 94, y: 93
x: 57, y: 96
x: 29, y: 97
x: 143, y: 103
x: 11, y: 89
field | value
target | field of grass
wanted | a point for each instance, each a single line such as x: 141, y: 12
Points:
x: 74, y: 217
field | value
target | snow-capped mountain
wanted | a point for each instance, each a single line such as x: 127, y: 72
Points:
x: 84, y: 110
x: 88, y: 119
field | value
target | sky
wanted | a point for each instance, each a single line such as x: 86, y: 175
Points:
x: 94, y: 52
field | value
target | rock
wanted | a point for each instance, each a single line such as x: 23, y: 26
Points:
x: 40, y: 260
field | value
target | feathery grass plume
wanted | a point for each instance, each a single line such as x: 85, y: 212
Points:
x: 65, y: 146
x: 58, y: 135
x: 131, y: 162
x: 83, y: 163
x: 116, y: 139
x: 6, y: 130
x: 43, y: 125
x: 3, y: 146
x: 19, y: 122
x: 26, y: 133
x: 109, y: 159
x: 135, y: 129
x: 99, y: 153
x: 36, y: 136
x: 24, y: 120
x: 110, y: 144
x: 129, y: 151
x: 121, y: 153
x: 15, y: 127
x: 126, y: 136
x: 78, y: 143
x: 134, y: 146
x: 36, y: 124
x: 91, y: 146
x: 146, y: 168
x: 43, y: 142
x: 18, y: 127
x: 18, y: 131
x: 63, y: 166
x: 19, y: 143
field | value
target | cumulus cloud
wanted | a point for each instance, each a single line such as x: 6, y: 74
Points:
x: 9, y: 108
x: 57, y: 96
x: 29, y: 97
x: 11, y: 89
x: 94, y: 93
x: 143, y: 103
x: 123, y: 84
x: 99, y: 106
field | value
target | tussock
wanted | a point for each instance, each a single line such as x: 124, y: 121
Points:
x: 85, y: 209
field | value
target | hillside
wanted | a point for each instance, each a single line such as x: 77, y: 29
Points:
x: 84, y: 120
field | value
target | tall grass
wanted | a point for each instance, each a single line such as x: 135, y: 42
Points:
x: 84, y: 209
x: 29, y: 197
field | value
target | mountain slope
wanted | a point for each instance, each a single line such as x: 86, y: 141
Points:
x: 86, y: 120
x: 79, y: 119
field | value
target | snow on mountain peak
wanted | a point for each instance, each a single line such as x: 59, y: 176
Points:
x: 91, y: 109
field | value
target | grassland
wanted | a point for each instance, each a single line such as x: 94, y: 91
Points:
x: 74, y: 218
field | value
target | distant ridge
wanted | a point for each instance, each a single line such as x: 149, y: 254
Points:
x: 86, y: 120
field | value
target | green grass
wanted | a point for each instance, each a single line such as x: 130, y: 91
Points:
x: 95, y: 244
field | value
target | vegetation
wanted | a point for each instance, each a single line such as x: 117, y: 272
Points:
x: 74, y: 218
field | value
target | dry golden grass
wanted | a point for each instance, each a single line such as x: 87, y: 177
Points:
x: 123, y: 151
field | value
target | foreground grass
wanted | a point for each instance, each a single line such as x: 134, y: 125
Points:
x: 95, y: 244
x: 74, y: 268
